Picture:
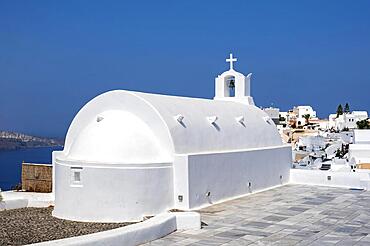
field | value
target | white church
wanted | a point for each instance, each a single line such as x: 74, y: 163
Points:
x: 130, y: 154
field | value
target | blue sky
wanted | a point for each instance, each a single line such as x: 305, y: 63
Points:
x: 57, y: 55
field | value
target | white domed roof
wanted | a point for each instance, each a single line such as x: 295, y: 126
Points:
x: 116, y: 136
x: 143, y: 128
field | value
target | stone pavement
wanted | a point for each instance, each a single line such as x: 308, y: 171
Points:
x: 288, y: 215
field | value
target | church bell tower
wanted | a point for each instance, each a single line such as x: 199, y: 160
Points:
x: 233, y: 86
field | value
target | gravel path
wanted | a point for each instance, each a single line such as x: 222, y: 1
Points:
x: 33, y: 225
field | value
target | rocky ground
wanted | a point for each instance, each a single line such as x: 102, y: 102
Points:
x: 32, y: 225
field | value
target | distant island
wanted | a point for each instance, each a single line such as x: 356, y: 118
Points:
x: 15, y: 140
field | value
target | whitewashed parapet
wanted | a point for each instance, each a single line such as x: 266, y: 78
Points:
x: 149, y: 230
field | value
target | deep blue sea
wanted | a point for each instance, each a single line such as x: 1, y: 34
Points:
x: 11, y: 163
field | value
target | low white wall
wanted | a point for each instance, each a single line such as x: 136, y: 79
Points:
x: 35, y: 199
x: 149, y: 230
x: 207, y: 178
x: 361, y: 136
x: 360, y: 152
x: 358, y: 180
x: 19, y: 199
x: 13, y: 204
x: 187, y: 220
x: 136, y: 234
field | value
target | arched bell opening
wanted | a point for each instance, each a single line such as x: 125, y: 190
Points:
x: 230, y: 86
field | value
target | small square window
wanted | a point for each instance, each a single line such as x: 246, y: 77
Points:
x: 76, y: 176
x: 181, y: 198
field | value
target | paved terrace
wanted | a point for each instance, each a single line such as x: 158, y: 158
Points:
x: 288, y: 215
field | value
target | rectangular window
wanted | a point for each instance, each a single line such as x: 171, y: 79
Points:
x: 76, y: 176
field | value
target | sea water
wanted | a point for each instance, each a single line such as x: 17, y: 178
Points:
x: 11, y: 163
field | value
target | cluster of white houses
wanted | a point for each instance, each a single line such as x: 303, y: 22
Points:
x: 346, y: 120
x: 300, y: 116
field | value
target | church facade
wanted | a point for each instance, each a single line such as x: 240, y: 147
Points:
x: 131, y: 154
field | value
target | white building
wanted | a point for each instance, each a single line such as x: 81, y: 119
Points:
x: 130, y: 154
x: 284, y: 115
x: 359, y: 151
x: 301, y: 111
x: 273, y: 113
x: 346, y: 120
x: 311, y: 143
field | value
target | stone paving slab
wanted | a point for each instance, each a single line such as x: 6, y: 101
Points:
x: 287, y: 215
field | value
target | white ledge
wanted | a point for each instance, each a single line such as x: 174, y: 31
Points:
x: 143, y: 232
